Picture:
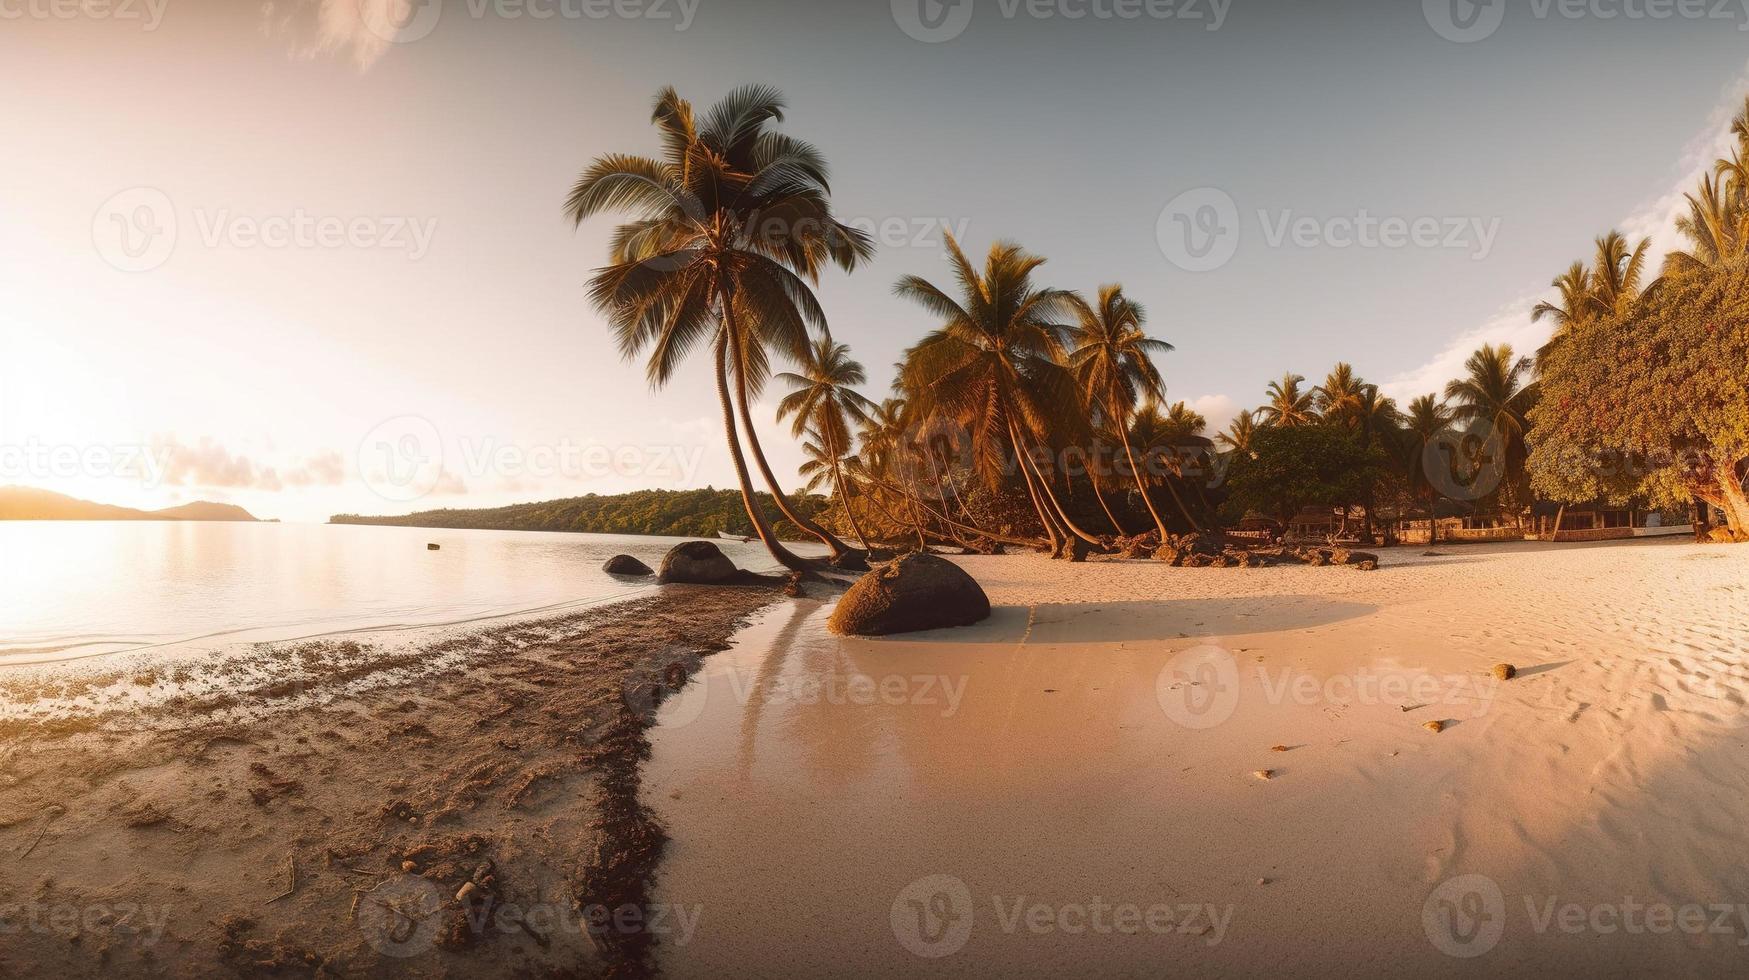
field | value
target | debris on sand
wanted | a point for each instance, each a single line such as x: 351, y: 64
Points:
x: 1435, y: 726
x: 1264, y: 774
x: 1505, y: 672
x: 1278, y: 748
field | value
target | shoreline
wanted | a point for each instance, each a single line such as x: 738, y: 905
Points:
x: 336, y: 837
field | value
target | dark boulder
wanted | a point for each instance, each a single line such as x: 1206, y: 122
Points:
x: 626, y: 565
x: 697, y: 563
x: 914, y: 592
x: 851, y: 560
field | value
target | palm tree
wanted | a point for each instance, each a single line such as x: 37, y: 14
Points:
x: 1238, y: 436
x: 1423, y: 426
x: 824, y: 470
x: 1166, y: 437
x: 732, y: 227
x: 1616, y: 273
x: 1716, y: 225
x: 1574, y: 306
x: 995, y: 366
x: 1113, y: 361
x: 1288, y: 405
x: 1339, y: 397
x: 822, y: 400
x: 1494, y: 390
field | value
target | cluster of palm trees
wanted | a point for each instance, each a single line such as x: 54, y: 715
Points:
x: 1030, y: 414
x: 731, y: 228
x: 1419, y: 441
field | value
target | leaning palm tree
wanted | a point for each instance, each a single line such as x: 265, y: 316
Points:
x: 1288, y: 404
x: 995, y: 367
x: 733, y: 225
x: 824, y: 400
x: 1113, y: 361
x: 1494, y: 390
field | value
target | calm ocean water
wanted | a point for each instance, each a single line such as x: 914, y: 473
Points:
x: 79, y: 589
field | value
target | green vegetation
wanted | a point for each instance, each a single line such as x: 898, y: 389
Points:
x: 1029, y: 414
x: 674, y: 513
x: 1643, y: 391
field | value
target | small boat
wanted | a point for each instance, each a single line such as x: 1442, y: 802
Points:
x: 726, y: 536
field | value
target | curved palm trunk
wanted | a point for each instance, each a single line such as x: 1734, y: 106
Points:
x: 1123, y: 436
x: 844, y: 498
x: 1093, y: 478
x: 839, y: 548
x: 761, y: 527
x: 1053, y: 534
x: 1062, y: 516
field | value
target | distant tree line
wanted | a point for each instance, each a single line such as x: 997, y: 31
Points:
x: 673, y: 513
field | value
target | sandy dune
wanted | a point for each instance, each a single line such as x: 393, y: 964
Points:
x: 1072, y: 786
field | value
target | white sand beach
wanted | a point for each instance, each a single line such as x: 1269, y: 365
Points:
x: 1072, y: 787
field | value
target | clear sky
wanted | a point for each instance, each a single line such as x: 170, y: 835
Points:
x: 265, y: 250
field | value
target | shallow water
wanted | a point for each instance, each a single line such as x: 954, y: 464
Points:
x: 78, y: 589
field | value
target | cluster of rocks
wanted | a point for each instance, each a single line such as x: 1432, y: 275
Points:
x: 1198, y: 550
x: 911, y: 592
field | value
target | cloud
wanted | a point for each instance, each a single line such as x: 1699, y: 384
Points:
x: 365, y: 29
x: 1219, y: 410
x: 208, y: 464
x: 1654, y: 219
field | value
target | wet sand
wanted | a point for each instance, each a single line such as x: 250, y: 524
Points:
x: 463, y: 810
x: 1075, y: 786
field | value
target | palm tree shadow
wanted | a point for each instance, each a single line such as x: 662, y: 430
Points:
x: 1154, y: 619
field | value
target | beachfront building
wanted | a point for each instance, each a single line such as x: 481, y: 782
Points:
x: 1601, y: 521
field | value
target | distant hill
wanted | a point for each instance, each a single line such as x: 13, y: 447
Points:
x: 675, y: 513
x: 31, y: 504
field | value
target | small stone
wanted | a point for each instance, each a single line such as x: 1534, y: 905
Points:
x: 466, y: 890
x: 1278, y: 748
x: 1435, y: 727
x: 408, y: 866
x: 1264, y: 774
x: 1505, y: 672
